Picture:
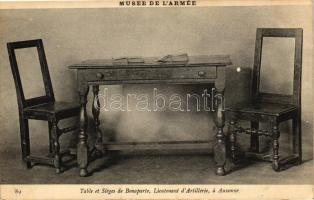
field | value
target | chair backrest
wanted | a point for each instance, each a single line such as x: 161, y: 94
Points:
x: 295, y: 97
x: 49, y: 95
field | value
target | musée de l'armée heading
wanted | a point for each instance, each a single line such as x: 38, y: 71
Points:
x: 158, y: 3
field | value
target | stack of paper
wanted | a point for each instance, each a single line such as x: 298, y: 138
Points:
x: 127, y: 60
x: 175, y: 58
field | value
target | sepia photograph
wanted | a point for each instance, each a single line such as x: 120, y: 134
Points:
x: 156, y: 93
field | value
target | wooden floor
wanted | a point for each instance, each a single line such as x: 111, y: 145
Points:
x: 154, y: 167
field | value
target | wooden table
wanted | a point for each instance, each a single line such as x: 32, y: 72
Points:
x: 197, y: 70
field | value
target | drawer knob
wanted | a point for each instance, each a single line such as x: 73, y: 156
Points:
x: 201, y: 73
x: 99, y: 75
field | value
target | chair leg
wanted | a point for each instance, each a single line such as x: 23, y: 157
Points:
x: 50, y: 138
x: 73, y: 143
x: 254, y: 147
x: 297, y: 138
x: 25, y: 144
x: 275, y: 138
x: 232, y: 139
x: 56, y: 146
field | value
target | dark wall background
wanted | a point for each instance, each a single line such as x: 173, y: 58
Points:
x: 73, y: 35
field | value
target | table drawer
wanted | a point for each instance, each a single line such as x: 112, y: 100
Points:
x: 152, y: 73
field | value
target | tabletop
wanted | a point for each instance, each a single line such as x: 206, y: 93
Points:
x: 138, y: 62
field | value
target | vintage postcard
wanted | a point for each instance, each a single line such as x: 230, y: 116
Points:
x: 176, y: 99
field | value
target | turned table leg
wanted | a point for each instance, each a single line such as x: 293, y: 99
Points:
x: 96, y: 111
x: 219, y: 120
x: 220, y: 145
x: 82, y: 147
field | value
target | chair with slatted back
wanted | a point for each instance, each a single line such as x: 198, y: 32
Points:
x: 270, y: 108
x: 40, y: 108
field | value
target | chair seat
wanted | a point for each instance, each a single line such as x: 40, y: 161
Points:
x: 59, y: 110
x: 263, y: 108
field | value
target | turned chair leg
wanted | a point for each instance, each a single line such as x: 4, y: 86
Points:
x: 232, y: 139
x: 25, y: 144
x: 50, y: 138
x: 254, y: 147
x: 275, y: 139
x: 56, y: 146
x: 297, y: 138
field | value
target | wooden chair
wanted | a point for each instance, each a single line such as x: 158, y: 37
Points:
x: 40, y: 108
x: 270, y: 108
